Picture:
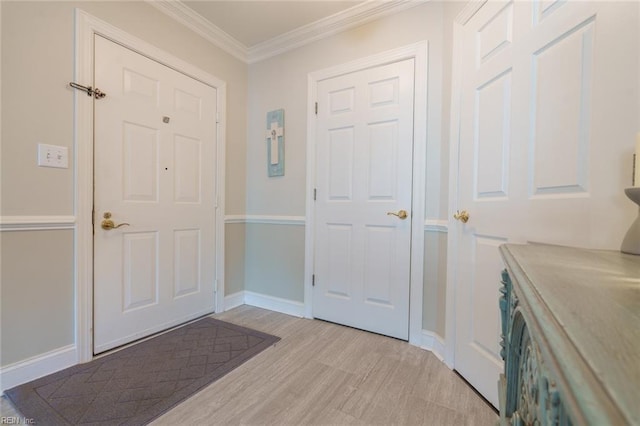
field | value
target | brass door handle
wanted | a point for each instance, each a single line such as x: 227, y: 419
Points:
x: 402, y: 214
x: 107, y: 223
x: 462, y: 216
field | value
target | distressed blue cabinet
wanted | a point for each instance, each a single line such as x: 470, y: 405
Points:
x: 570, y: 336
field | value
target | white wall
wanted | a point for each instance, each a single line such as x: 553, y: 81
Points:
x: 37, y: 64
x: 281, y: 82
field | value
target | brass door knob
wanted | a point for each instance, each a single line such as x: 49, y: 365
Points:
x: 402, y: 214
x: 462, y: 216
x: 107, y: 224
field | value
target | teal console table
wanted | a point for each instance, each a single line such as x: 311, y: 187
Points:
x: 570, y: 336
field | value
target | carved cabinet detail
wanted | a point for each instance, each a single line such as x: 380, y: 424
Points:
x: 559, y: 335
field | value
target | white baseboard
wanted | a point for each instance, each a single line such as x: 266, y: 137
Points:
x: 433, y: 343
x: 233, y: 300
x: 284, y: 306
x: 38, y: 366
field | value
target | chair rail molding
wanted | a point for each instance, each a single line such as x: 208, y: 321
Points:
x: 266, y: 219
x: 436, y: 225
x: 36, y: 223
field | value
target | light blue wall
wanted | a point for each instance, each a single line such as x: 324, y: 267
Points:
x: 37, y: 294
x: 234, y: 258
x: 275, y: 260
x: 435, y: 279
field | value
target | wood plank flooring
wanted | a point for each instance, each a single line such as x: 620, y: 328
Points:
x: 322, y: 373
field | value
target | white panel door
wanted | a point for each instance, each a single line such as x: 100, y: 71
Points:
x: 531, y: 149
x: 155, y: 147
x: 364, y: 146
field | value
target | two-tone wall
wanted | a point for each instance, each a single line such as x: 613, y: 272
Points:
x: 264, y: 233
x: 37, y: 204
x: 281, y: 82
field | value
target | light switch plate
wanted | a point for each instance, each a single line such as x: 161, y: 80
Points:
x: 53, y: 156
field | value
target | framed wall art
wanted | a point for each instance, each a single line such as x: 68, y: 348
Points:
x: 275, y: 142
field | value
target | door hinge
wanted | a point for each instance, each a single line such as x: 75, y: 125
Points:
x: 313, y: 280
x: 316, y: 108
x: 315, y: 193
x: 217, y: 117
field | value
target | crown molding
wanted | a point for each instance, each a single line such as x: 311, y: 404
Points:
x: 350, y: 18
x: 472, y: 7
x: 198, y: 24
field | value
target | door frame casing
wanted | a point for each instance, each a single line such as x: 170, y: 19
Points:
x: 419, y: 53
x: 86, y: 27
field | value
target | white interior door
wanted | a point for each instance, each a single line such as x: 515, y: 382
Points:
x: 364, y: 146
x: 154, y: 167
x: 532, y: 155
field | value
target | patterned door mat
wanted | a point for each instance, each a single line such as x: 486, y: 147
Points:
x: 137, y: 384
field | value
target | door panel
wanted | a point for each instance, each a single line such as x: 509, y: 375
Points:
x: 364, y: 170
x: 140, y: 264
x: 187, y: 260
x: 493, y: 138
x: 155, y: 145
x: 187, y: 155
x: 340, y: 163
x: 530, y: 165
x: 379, y: 260
x: 383, y: 159
x: 560, y: 143
x: 484, y: 322
x: 140, y: 162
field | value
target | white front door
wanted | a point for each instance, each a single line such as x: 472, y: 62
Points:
x: 364, y: 146
x: 534, y: 152
x: 154, y: 167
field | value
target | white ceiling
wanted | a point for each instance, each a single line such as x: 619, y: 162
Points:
x: 254, y: 22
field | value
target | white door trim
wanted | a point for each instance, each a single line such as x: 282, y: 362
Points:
x: 85, y: 28
x: 453, y: 234
x: 419, y: 52
x: 459, y: 21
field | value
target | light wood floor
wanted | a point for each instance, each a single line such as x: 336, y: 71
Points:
x: 323, y: 373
